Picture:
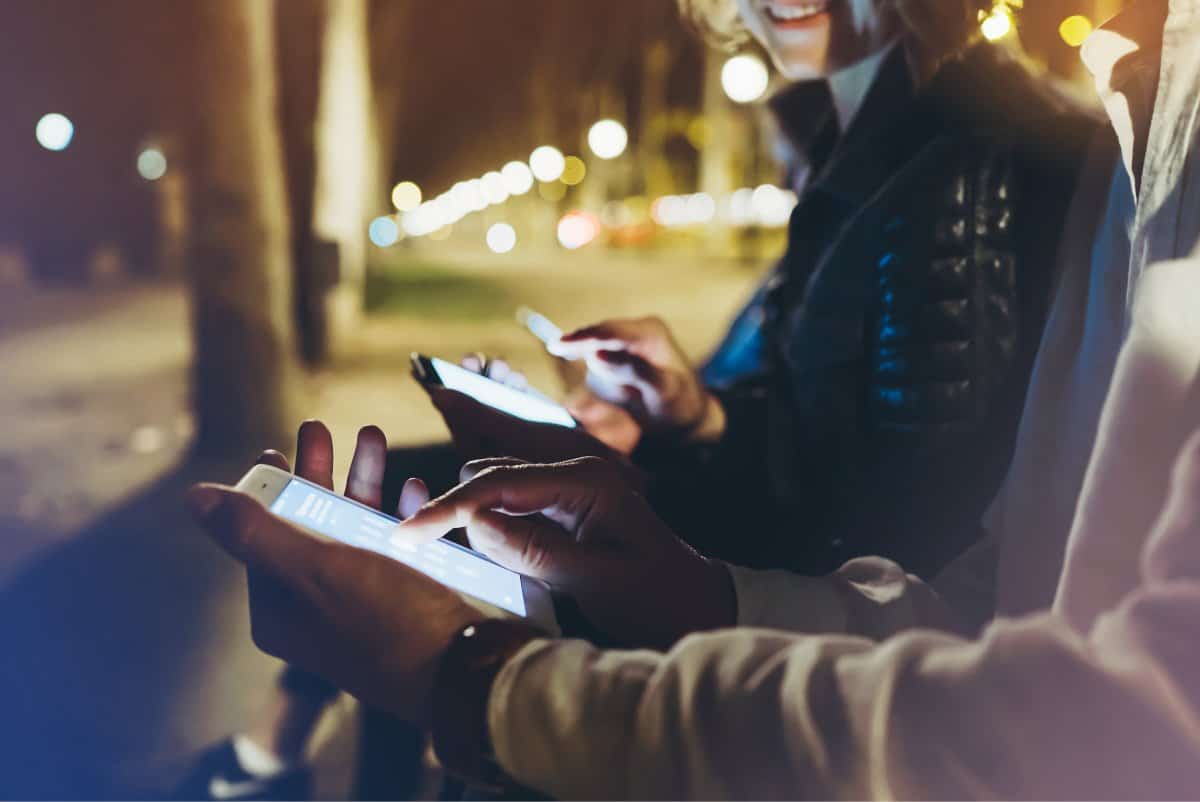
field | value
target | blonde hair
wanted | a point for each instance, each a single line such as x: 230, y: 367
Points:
x: 940, y: 27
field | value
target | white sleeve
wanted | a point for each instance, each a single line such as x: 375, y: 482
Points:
x: 1032, y: 709
x: 869, y: 596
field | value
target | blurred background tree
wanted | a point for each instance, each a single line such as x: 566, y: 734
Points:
x: 240, y: 265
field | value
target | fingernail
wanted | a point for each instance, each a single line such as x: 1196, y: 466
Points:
x: 204, y: 501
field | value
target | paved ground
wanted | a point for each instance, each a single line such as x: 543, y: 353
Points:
x: 123, y: 634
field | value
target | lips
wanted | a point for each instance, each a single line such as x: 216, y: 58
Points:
x: 785, y: 15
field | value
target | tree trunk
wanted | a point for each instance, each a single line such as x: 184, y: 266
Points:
x: 244, y: 366
x: 346, y: 169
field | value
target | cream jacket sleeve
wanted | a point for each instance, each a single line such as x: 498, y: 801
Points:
x: 1031, y: 709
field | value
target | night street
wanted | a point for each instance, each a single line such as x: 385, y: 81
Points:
x: 99, y: 542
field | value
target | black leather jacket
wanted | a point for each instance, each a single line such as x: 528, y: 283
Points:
x: 897, y: 333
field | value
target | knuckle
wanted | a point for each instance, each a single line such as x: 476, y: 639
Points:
x: 594, y: 468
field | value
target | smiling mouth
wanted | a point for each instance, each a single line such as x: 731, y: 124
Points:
x: 795, y: 14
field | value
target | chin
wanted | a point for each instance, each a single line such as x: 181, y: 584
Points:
x: 811, y: 65
x: 802, y: 55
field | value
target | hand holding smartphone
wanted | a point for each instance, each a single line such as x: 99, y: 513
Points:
x: 492, y: 589
x: 439, y: 372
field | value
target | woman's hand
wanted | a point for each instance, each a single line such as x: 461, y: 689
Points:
x: 607, y: 422
x: 639, y: 365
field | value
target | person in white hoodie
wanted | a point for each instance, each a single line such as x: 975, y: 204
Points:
x: 866, y: 683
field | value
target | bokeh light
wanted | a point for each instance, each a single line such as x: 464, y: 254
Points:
x: 518, y: 178
x: 406, y: 196
x: 54, y: 131
x: 669, y: 210
x: 741, y: 207
x: 608, y: 139
x: 547, y: 163
x: 574, y: 171
x: 1075, y: 29
x: 151, y: 164
x: 701, y: 208
x: 997, y: 24
x: 494, y: 189
x: 577, y: 229
x: 476, y: 197
x: 501, y: 238
x: 384, y: 232
x: 772, y: 206
x: 744, y: 78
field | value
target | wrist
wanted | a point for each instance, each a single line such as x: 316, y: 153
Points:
x: 710, y: 426
x: 461, y: 691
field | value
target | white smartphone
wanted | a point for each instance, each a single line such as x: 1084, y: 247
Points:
x: 538, y: 325
x: 492, y: 589
x: 526, y: 406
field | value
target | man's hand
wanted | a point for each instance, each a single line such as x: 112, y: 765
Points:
x: 367, y: 623
x: 364, y: 484
x: 481, y: 431
x: 639, y: 365
x: 578, y: 526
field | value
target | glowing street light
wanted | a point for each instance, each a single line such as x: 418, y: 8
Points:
x: 151, y: 164
x: 406, y: 196
x: 54, y: 132
x: 494, y: 188
x: 476, y: 198
x: 744, y: 78
x: 608, y: 139
x: 1075, y: 29
x: 501, y: 238
x: 518, y: 178
x: 384, y: 232
x: 997, y: 24
x: 547, y: 163
x: 701, y: 208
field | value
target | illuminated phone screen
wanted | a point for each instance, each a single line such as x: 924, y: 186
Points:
x: 501, y: 397
x: 463, y: 570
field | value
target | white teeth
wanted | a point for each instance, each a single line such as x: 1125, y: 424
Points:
x: 790, y: 12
